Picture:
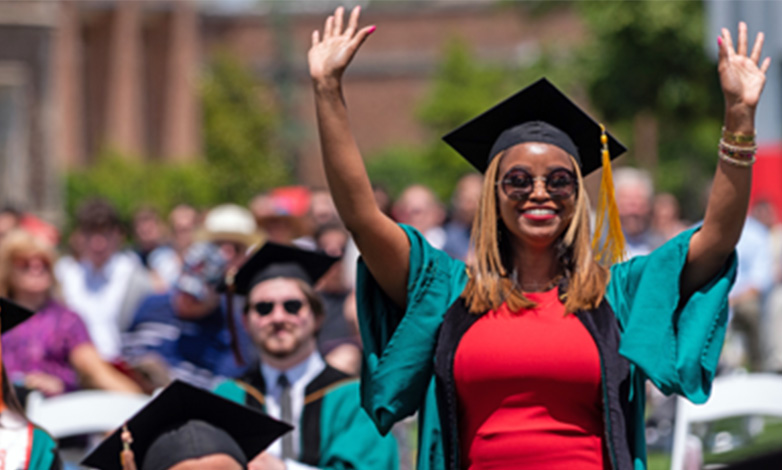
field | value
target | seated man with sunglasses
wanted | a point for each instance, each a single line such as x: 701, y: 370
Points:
x: 293, y: 383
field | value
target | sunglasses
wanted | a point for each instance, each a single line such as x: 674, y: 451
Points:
x: 27, y: 264
x: 291, y: 306
x: 518, y: 184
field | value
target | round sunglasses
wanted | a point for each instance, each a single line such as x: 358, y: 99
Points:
x: 291, y: 306
x: 518, y: 183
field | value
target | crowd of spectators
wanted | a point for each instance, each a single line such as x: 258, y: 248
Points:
x: 133, y: 305
x: 754, y: 338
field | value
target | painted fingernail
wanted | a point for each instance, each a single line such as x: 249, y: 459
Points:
x: 371, y: 29
x: 719, y: 40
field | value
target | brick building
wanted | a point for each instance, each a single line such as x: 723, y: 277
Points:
x: 124, y: 74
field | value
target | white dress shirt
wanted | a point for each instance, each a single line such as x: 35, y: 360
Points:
x: 299, y: 377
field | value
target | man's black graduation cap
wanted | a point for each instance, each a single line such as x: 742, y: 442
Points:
x: 184, y: 422
x: 12, y: 314
x: 274, y: 260
x: 271, y: 261
x: 543, y: 110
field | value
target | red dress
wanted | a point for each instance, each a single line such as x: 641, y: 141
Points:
x: 529, y: 390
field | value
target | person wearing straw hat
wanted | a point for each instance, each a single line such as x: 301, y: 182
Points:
x: 23, y: 445
x: 233, y: 229
x: 292, y: 382
x: 536, y: 355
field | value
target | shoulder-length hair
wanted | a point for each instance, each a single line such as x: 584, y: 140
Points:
x: 491, y: 283
x: 10, y: 400
x: 20, y: 243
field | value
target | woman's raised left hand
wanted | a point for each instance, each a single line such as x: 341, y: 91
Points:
x: 742, y: 75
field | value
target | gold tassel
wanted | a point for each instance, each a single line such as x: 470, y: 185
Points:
x: 613, y: 248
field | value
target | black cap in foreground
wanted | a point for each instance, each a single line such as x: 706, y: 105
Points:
x: 184, y: 422
x: 538, y: 113
x: 274, y: 260
x: 12, y: 314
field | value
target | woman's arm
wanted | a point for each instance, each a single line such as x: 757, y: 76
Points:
x: 97, y: 373
x: 383, y: 245
x: 742, y: 77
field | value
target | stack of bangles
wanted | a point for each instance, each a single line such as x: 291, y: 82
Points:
x: 737, y: 149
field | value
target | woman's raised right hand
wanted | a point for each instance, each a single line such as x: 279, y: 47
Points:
x: 329, y: 57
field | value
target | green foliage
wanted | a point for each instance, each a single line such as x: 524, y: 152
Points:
x: 131, y: 183
x: 239, y: 129
x: 688, y: 159
x: 463, y: 87
x: 649, y: 55
x: 240, y: 155
x: 395, y: 168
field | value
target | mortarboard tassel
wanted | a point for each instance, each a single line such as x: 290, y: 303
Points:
x: 613, y: 248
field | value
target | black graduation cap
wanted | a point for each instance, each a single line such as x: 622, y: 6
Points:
x: 12, y: 314
x: 184, y: 422
x: 276, y: 260
x: 538, y: 113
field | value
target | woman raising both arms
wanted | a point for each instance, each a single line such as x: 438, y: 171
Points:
x: 536, y: 356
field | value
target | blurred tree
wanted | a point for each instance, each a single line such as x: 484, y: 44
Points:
x: 463, y: 87
x: 240, y: 155
x: 130, y: 183
x: 239, y: 129
x: 646, y: 64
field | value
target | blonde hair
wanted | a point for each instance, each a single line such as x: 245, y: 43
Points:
x: 490, y: 282
x: 20, y: 243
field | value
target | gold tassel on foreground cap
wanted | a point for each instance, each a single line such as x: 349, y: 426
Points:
x: 607, y: 223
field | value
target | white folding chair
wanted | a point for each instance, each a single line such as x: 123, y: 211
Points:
x: 734, y: 395
x: 83, y: 412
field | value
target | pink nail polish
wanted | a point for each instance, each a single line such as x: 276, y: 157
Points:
x: 719, y: 40
x: 371, y: 29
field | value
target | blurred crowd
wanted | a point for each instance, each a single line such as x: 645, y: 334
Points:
x: 132, y: 307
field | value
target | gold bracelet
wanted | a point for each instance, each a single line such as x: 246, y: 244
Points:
x: 738, y: 138
x: 744, y: 163
x: 730, y: 148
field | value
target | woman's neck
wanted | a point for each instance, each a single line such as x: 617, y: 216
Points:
x: 32, y: 300
x: 536, y: 269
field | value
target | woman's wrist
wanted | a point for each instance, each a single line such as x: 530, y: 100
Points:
x: 740, y: 119
x: 737, y: 145
x: 327, y: 85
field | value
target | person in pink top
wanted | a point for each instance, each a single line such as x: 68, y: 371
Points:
x: 52, y: 351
